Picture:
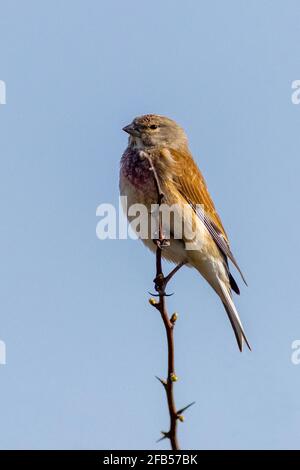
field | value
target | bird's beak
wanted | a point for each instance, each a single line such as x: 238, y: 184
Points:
x: 131, y: 130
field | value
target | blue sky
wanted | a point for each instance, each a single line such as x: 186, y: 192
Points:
x: 83, y: 344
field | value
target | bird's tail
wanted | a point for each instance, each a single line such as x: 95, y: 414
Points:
x: 233, y: 315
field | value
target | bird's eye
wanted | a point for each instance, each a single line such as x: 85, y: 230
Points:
x: 153, y: 126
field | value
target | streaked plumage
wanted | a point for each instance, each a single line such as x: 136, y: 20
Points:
x: 165, y: 143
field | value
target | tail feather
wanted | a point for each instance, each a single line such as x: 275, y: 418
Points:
x: 233, y: 284
x: 233, y: 316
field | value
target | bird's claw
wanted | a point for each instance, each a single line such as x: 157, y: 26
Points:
x: 162, y: 243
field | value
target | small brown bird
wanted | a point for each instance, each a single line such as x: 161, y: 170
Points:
x: 161, y: 141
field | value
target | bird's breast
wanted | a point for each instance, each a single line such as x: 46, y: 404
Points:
x: 135, y: 169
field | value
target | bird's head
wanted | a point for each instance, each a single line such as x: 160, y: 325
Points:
x: 154, y: 131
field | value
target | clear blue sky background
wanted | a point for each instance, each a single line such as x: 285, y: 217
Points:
x: 83, y: 344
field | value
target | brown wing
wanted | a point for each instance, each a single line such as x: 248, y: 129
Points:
x: 192, y: 186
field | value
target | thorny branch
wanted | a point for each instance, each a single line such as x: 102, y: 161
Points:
x: 160, y: 283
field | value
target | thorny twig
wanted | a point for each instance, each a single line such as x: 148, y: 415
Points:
x: 161, y: 283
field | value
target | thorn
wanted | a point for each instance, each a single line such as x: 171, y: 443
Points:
x: 153, y: 295
x: 162, y: 381
x: 174, y: 317
x: 165, y: 435
x: 158, y: 295
x: 173, y: 377
x: 179, y: 412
